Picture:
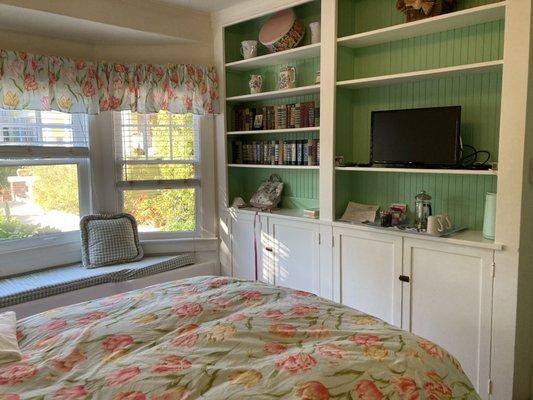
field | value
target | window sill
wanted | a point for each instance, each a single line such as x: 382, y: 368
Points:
x: 27, y: 257
x: 175, y: 245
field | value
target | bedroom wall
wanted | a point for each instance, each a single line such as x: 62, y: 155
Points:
x: 153, y: 17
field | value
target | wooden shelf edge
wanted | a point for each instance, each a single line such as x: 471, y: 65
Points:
x: 420, y: 170
x: 268, y: 131
x: 470, y: 238
x: 295, y: 214
x: 307, y: 51
x: 422, y: 74
x: 313, y: 167
x: 457, y: 19
x: 274, y: 94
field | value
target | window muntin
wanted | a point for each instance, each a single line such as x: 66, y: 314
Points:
x: 43, y: 160
x: 158, y: 160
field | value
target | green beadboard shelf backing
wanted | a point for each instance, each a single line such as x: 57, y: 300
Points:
x: 301, y: 187
x: 357, y: 16
x: 479, y: 95
x: 237, y: 82
x: 469, y: 45
x: 249, y: 30
x: 460, y: 196
x: 230, y: 108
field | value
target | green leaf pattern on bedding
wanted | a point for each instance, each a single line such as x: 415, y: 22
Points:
x: 223, y: 338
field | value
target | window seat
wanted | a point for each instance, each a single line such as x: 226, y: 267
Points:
x: 45, y: 283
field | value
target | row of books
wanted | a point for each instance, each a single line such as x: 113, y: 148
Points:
x: 277, y: 152
x: 296, y: 115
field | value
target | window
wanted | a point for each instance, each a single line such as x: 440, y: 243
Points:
x: 158, y: 160
x: 44, y: 184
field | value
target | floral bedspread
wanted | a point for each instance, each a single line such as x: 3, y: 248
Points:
x: 223, y: 338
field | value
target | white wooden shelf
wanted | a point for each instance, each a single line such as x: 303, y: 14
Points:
x: 267, y: 131
x: 420, y: 170
x: 468, y: 237
x: 458, y: 19
x: 424, y: 74
x: 273, y: 166
x: 298, y: 53
x: 276, y: 94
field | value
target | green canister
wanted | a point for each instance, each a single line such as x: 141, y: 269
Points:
x: 489, y: 221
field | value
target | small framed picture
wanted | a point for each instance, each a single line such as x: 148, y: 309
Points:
x: 258, y: 121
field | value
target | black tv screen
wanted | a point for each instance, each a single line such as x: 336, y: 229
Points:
x: 417, y: 137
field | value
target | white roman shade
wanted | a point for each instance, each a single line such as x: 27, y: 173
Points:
x: 162, y: 149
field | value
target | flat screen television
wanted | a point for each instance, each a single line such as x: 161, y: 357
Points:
x: 417, y: 137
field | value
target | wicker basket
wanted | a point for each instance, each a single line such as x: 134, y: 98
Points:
x: 439, y: 7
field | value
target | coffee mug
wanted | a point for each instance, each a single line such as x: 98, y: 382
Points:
x: 446, y: 221
x: 315, y: 32
x: 438, y: 224
x: 435, y: 225
x: 249, y: 49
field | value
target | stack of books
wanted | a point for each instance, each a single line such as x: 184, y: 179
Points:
x: 277, y: 152
x: 286, y: 116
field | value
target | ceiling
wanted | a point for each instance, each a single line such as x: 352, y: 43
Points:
x: 204, y: 5
x: 59, y: 26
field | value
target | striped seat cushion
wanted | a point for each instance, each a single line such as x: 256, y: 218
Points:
x: 44, y: 283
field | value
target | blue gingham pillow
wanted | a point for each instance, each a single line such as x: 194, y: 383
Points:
x: 109, y: 239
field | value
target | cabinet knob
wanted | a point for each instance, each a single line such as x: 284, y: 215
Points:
x: 404, y: 278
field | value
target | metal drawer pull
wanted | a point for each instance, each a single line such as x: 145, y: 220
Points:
x: 404, y: 278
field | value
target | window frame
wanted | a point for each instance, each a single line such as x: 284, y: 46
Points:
x: 196, y: 182
x: 27, y: 154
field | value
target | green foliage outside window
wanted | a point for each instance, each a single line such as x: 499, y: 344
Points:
x: 56, y: 187
x: 12, y: 228
x: 165, y: 209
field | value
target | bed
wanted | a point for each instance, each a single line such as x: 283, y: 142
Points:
x: 224, y: 338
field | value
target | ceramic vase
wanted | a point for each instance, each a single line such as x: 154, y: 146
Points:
x: 255, y: 83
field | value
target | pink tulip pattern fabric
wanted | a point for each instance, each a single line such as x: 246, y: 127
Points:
x: 223, y: 338
x: 36, y: 82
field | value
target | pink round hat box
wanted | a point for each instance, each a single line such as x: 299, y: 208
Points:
x: 282, y: 31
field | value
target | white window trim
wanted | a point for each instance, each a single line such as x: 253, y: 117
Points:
x: 25, y: 255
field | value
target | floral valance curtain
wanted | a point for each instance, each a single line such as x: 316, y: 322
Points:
x: 34, y: 82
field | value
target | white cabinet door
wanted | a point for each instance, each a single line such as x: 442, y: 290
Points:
x: 296, y: 253
x: 449, y: 301
x: 245, y: 235
x: 366, y: 267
